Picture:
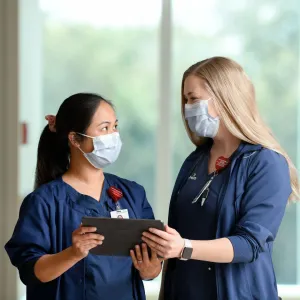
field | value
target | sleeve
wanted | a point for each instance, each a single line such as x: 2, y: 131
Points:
x: 30, y: 239
x: 262, y: 207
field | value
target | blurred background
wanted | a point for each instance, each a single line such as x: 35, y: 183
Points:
x: 134, y: 53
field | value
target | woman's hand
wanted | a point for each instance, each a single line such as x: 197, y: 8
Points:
x: 167, y: 244
x: 83, y: 240
x: 149, y: 268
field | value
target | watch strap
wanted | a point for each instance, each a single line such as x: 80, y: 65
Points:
x: 187, y: 246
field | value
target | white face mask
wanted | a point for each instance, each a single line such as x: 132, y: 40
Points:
x: 200, y: 121
x: 106, y: 149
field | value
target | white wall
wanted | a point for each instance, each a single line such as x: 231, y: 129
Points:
x: 8, y: 138
x: 30, y: 105
x: 30, y: 98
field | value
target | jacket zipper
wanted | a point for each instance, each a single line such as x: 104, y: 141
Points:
x: 221, y: 200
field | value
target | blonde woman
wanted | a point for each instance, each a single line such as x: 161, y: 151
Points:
x: 230, y: 195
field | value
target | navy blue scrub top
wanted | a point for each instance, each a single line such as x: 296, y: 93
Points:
x: 196, y: 279
x: 100, y: 271
x: 47, y: 218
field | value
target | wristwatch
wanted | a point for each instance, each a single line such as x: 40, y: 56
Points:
x: 187, y: 251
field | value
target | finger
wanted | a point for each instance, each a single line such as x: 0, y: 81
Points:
x: 78, y: 230
x: 91, y: 236
x: 83, y: 230
x: 156, y: 238
x: 88, y: 237
x: 162, y: 234
x: 156, y: 247
x: 89, y: 246
x: 138, y: 253
x: 134, y: 260
x: 171, y: 230
x: 160, y: 254
x: 79, y: 244
x: 86, y: 229
x: 153, y: 255
x: 146, y: 259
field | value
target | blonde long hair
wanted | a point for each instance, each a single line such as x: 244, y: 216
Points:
x: 234, y: 96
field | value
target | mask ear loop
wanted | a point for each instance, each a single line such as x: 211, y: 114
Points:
x: 81, y: 150
x: 91, y: 137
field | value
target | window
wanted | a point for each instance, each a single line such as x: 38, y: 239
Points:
x: 95, y: 47
x: 117, y: 48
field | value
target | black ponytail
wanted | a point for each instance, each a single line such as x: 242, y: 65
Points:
x: 75, y: 114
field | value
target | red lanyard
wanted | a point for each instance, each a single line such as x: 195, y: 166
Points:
x: 221, y: 164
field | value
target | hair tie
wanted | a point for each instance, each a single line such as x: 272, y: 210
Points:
x: 51, y: 122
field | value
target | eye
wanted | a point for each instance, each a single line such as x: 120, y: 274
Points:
x: 104, y: 128
x: 116, y: 127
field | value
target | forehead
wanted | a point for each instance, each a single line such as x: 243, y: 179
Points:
x: 104, y: 112
x: 193, y: 84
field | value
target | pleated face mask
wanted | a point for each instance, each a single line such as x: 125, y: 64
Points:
x: 200, y: 121
x: 106, y: 149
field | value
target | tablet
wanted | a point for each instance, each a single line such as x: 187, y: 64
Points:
x: 121, y: 235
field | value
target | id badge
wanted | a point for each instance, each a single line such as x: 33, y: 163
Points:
x: 119, y: 214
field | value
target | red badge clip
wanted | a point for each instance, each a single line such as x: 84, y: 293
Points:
x: 115, y: 194
x: 221, y: 163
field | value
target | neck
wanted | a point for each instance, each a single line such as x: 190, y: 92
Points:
x: 225, y: 145
x: 80, y: 169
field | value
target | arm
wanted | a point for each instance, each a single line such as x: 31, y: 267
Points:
x: 262, y: 209
x: 31, y: 237
x: 50, y: 267
x: 30, y: 250
x: 218, y: 251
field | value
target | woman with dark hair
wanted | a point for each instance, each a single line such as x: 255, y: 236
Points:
x: 49, y: 247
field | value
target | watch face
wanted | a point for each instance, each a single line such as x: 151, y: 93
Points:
x: 187, y: 253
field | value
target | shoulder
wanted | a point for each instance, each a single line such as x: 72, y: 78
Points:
x: 269, y: 170
x: 268, y: 159
x: 45, y: 194
x: 119, y: 181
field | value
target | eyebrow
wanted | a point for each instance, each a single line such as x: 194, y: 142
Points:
x: 107, y: 122
x: 190, y: 93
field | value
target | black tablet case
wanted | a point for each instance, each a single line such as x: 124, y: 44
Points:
x: 121, y: 235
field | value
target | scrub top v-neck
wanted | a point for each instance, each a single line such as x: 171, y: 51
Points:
x: 102, y: 272
x: 196, y: 279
